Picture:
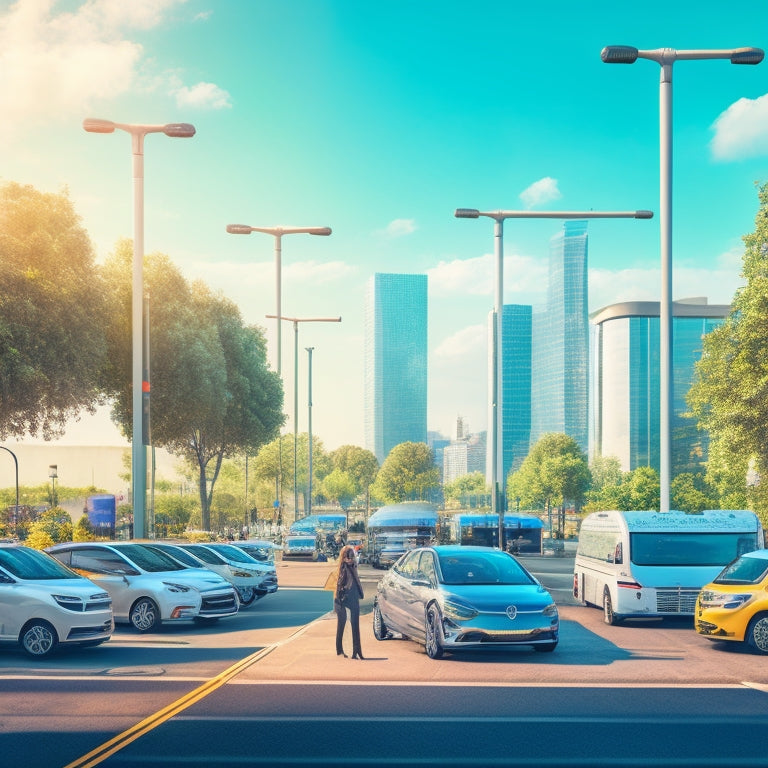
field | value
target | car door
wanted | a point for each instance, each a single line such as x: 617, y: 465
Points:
x: 110, y: 571
x: 392, y: 594
x: 10, y: 597
x: 413, y: 594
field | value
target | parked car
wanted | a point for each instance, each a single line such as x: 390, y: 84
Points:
x: 247, y: 578
x: 300, y: 547
x: 43, y: 604
x: 455, y: 597
x: 259, y: 549
x: 242, y: 558
x: 735, y: 605
x: 147, y: 586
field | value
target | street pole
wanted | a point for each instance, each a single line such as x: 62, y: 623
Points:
x: 665, y: 57
x: 495, y: 416
x: 138, y: 451
x: 309, y: 424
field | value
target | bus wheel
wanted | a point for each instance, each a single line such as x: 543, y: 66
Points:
x: 609, y: 617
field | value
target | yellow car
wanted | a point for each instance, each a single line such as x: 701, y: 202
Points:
x: 735, y: 605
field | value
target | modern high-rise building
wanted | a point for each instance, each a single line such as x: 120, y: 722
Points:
x: 395, y: 362
x: 625, y: 390
x: 560, y: 371
x: 515, y: 386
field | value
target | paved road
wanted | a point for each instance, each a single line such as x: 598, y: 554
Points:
x: 266, y: 688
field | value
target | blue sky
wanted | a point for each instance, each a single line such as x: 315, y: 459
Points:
x: 379, y: 120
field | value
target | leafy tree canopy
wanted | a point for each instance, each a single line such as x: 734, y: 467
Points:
x: 407, y: 474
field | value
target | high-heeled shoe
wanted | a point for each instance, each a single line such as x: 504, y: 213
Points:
x: 341, y: 653
x: 358, y: 655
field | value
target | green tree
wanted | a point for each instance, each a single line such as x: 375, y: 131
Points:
x: 691, y: 493
x: 213, y: 395
x: 407, y: 474
x: 52, y: 344
x: 83, y: 530
x: 340, y: 486
x: 605, y: 471
x: 360, y: 464
x: 472, y: 484
x: 729, y: 396
x: 554, y: 472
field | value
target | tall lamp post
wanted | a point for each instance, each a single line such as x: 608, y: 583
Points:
x: 138, y: 452
x: 16, y: 465
x: 53, y: 473
x: 296, y: 321
x: 309, y: 427
x: 495, y: 372
x: 666, y: 57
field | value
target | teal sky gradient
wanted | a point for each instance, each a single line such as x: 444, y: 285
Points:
x: 379, y: 120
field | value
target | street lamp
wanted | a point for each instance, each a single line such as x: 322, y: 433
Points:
x: 138, y: 454
x: 495, y: 404
x: 277, y: 233
x: 296, y: 321
x: 53, y: 474
x: 309, y: 427
x: 16, y: 464
x: 666, y: 57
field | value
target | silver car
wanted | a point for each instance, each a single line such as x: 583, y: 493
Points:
x: 464, y: 598
x: 147, y: 586
x: 44, y: 604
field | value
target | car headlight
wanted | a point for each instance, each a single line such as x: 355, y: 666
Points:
x: 723, y: 600
x: 453, y: 609
x: 550, y: 610
x: 173, y: 587
x: 69, y: 602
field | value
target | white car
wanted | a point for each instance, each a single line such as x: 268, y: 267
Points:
x: 43, y: 604
x: 244, y: 580
x: 261, y: 578
x: 147, y: 586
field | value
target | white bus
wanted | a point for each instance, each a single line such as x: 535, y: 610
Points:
x: 642, y: 564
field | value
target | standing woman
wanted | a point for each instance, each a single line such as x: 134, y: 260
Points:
x: 349, y: 592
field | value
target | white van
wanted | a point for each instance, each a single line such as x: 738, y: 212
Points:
x: 640, y: 564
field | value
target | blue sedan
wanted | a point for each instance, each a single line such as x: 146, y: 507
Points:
x: 456, y: 597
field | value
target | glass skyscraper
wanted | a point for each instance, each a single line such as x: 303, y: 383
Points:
x: 395, y: 362
x: 515, y: 386
x: 559, y: 392
x: 625, y: 387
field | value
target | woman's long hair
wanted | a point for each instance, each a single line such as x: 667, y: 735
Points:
x: 346, y: 548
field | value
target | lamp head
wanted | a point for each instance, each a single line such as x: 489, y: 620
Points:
x: 320, y: 231
x: 239, y: 229
x: 94, y: 125
x: 643, y: 214
x: 619, y: 54
x: 179, y: 130
x: 747, y: 56
x: 467, y: 213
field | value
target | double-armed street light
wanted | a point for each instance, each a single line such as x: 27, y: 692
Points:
x: 296, y: 321
x: 666, y: 57
x: 496, y: 452
x: 140, y: 386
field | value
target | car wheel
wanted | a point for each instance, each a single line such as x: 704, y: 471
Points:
x: 144, y: 615
x: 38, y: 639
x: 246, y: 595
x: 757, y: 633
x: 433, y: 633
x: 548, y: 648
x: 609, y: 617
x: 380, y: 631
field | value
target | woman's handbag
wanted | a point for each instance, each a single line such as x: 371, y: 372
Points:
x: 330, y: 582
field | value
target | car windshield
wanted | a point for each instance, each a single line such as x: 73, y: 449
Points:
x: 150, y: 560
x: 32, y: 565
x: 689, y: 548
x: 745, y: 570
x: 233, y: 553
x: 482, y: 568
x: 179, y: 554
x: 262, y: 552
x: 206, y: 555
x: 300, y: 543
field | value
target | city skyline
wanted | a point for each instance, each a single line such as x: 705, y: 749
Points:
x: 379, y: 122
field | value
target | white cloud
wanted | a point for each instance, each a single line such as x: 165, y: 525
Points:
x: 742, y: 130
x: 465, y: 342
x: 316, y: 272
x: 203, y: 96
x: 397, y: 228
x: 542, y: 191
x: 59, y: 62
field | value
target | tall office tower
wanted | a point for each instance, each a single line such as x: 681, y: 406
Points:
x: 515, y: 386
x: 395, y: 362
x: 625, y: 382
x: 559, y: 390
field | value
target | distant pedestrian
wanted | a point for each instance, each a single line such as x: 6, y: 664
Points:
x: 349, y: 592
